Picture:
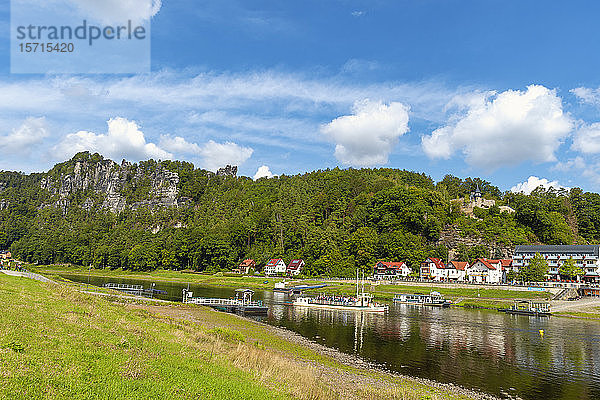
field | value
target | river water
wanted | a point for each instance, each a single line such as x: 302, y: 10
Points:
x: 493, y: 352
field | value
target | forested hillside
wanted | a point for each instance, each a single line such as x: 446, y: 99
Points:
x: 170, y: 215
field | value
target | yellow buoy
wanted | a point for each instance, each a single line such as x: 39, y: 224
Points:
x: 541, y: 332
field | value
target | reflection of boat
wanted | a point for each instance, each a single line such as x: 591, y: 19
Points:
x: 361, y: 302
x: 433, y: 299
x: 525, y: 307
x: 241, y: 303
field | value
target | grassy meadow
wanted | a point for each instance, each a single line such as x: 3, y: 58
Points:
x: 58, y: 343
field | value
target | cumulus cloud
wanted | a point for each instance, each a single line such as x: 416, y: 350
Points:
x: 213, y: 155
x: 587, y: 139
x: 263, y: 172
x: 177, y: 144
x: 367, y: 137
x: 533, y: 182
x: 124, y: 139
x: 21, y: 140
x: 504, y: 129
x: 216, y: 155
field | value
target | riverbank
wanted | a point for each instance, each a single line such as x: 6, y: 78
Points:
x: 56, y: 342
x: 462, y: 295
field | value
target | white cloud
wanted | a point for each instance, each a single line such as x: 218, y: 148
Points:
x: 504, y: 129
x: 533, y: 182
x: 216, y: 155
x: 124, y: 139
x: 587, y: 139
x: 263, y: 172
x: 110, y: 11
x: 177, y: 144
x: 587, y: 95
x: 20, y: 140
x: 367, y: 137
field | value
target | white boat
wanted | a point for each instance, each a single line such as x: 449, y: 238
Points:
x: 433, y: 299
x: 361, y: 302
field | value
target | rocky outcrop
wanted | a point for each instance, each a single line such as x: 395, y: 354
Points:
x: 113, y: 184
x: 452, y: 237
x: 228, y: 171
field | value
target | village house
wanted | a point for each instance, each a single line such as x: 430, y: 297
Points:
x: 245, y: 267
x: 391, y: 270
x: 484, y: 270
x: 433, y: 269
x: 295, y: 267
x: 586, y: 257
x: 5, y: 255
x: 275, y: 266
x: 456, y: 271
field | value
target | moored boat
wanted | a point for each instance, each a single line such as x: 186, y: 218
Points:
x: 434, y: 299
x: 361, y: 302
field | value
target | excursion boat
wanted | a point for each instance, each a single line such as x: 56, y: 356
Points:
x: 525, y: 307
x: 361, y: 302
x: 434, y: 299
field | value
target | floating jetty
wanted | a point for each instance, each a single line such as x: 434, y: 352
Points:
x: 242, y: 303
x: 137, y: 290
x: 526, y: 307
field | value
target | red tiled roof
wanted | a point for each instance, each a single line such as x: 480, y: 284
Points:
x: 459, y: 265
x: 438, y: 263
x: 246, y: 263
x: 391, y: 264
x: 488, y: 263
x: 295, y: 264
x: 506, y: 262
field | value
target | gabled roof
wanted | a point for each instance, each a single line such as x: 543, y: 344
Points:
x: 391, y: 264
x: 438, y: 263
x: 246, y: 263
x: 295, y: 264
x: 459, y: 265
x: 488, y: 263
x: 506, y: 263
x: 273, y: 262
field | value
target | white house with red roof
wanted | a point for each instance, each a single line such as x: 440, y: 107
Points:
x: 275, y: 266
x: 433, y: 268
x: 456, y: 271
x: 295, y: 267
x: 484, y: 270
x: 391, y: 270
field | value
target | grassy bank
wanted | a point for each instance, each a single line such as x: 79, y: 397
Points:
x: 58, y: 343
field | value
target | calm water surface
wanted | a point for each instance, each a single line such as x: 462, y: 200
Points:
x: 496, y: 353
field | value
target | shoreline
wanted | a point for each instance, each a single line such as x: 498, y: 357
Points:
x: 457, y: 293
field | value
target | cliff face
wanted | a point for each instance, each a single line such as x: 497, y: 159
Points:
x: 116, y: 186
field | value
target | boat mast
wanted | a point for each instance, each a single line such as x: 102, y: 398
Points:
x: 356, y: 283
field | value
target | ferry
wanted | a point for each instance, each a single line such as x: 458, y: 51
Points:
x: 525, y: 307
x: 361, y: 302
x: 433, y: 299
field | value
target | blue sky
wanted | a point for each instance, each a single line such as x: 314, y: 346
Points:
x: 504, y: 90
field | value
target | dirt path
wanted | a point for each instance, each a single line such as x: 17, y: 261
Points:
x: 588, y: 304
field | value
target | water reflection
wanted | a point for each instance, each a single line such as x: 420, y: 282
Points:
x: 494, y: 352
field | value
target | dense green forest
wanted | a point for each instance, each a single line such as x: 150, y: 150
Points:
x: 336, y: 220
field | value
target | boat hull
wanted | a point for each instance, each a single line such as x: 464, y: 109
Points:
x: 374, y: 309
x: 445, y: 305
